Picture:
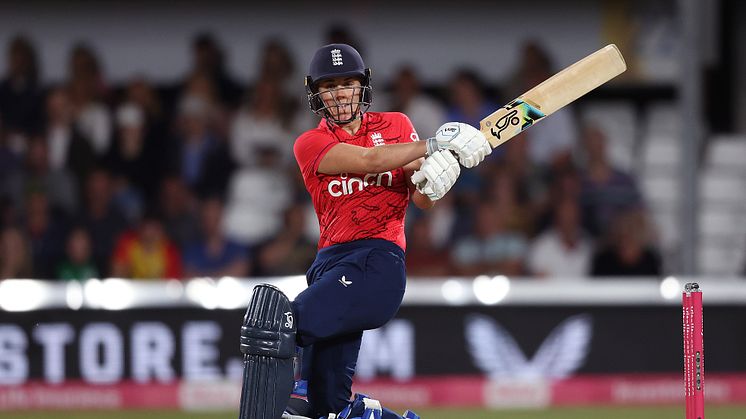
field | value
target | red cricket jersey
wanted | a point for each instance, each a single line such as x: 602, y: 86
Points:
x: 354, y: 206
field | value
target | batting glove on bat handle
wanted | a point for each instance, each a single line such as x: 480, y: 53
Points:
x: 418, y: 177
x: 437, y: 175
x: 467, y: 142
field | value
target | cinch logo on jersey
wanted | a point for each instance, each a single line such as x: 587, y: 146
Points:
x: 336, y: 57
x: 377, y: 139
x: 348, y: 186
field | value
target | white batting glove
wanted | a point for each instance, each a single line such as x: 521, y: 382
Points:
x: 466, y: 141
x: 437, y: 175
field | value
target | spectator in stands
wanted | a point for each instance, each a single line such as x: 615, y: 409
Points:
x: 605, y: 191
x: 258, y: 197
x: 20, y: 89
x: 208, y: 61
x: 213, y: 255
x: 426, y: 114
x: 444, y: 222
x: 269, y: 114
x: 197, y: 153
x: 69, y: 148
x: 133, y: 158
x: 511, y: 201
x: 10, y: 165
x: 528, y: 178
x: 276, y: 62
x: 627, y: 252
x: 141, y: 93
x: 289, y: 252
x: 491, y: 248
x: 84, y: 69
x: 563, y: 185
x: 15, y: 258
x: 46, y: 233
x: 179, y: 209
x: 78, y: 263
x: 340, y: 33
x: 534, y: 66
x: 217, y: 112
x: 311, y: 228
x: 564, y: 250
x: 9, y: 214
x: 551, y: 143
x: 263, y: 123
x: 467, y: 102
x: 101, y: 218
x: 424, y: 258
x: 37, y: 175
x: 146, y: 252
x: 88, y: 93
x: 277, y: 67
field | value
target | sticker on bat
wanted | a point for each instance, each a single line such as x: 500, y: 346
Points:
x: 520, y: 114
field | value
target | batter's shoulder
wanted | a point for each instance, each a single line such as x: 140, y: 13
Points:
x: 311, y: 134
x: 312, y: 143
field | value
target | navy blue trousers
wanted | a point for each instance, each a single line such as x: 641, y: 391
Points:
x: 352, y: 287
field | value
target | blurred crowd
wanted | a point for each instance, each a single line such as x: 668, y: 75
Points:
x: 197, y: 177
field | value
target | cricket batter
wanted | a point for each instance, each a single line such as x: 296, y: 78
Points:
x: 357, y: 166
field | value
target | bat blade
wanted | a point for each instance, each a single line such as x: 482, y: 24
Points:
x: 552, y: 94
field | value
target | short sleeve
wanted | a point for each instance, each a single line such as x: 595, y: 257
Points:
x: 310, y: 148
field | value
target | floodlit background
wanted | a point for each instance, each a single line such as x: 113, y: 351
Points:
x: 147, y: 182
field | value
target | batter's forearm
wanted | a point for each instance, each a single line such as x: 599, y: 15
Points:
x: 347, y: 158
x: 393, y: 156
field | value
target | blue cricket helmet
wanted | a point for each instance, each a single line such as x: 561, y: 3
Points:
x: 337, y: 60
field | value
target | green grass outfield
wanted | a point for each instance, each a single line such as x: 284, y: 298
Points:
x: 712, y: 412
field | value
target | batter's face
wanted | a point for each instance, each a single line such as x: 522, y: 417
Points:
x: 341, y: 96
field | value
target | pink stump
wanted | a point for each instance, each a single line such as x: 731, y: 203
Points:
x: 694, y: 355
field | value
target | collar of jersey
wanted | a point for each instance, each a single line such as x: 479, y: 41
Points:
x: 341, y: 133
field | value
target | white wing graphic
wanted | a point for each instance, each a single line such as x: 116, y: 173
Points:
x: 492, y: 348
x: 565, y: 349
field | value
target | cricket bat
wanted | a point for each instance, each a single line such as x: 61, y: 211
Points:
x: 552, y: 94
